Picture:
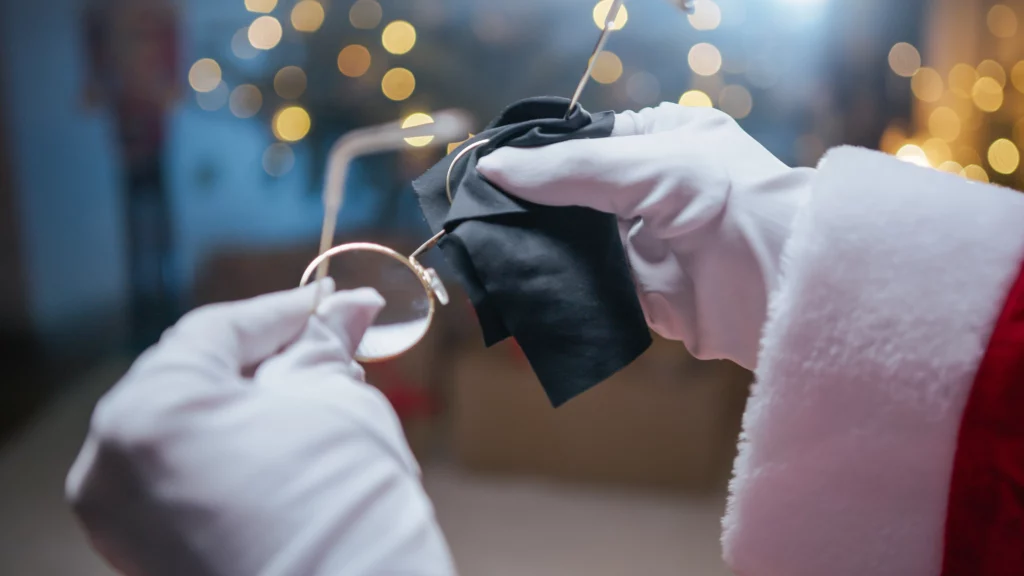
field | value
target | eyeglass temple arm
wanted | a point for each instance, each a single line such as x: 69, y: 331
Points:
x: 427, y: 245
x: 448, y: 125
x: 609, y: 25
x: 688, y: 6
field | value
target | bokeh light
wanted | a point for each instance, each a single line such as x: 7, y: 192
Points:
x: 967, y: 155
x: 365, y: 14
x: 706, y: 16
x: 971, y: 121
x: 705, y: 59
x: 398, y: 37
x: 278, y: 159
x: 418, y: 119
x: 260, y: 6
x: 1002, y: 21
x: 607, y: 69
x: 974, y: 172
x: 937, y: 151
x: 453, y: 146
x: 241, y: 47
x: 986, y: 115
x: 246, y: 101
x: 961, y: 80
x: 601, y: 15
x: 308, y: 16
x: 398, y: 84
x: 904, y: 59
x: 290, y: 82
x: 951, y: 167
x: 1017, y: 76
x: 944, y: 123
x: 736, y: 101
x: 291, y: 123
x: 987, y: 94
x: 994, y: 70
x: 354, y: 60
x: 214, y: 99
x: 892, y: 138
x: 204, y: 75
x: 913, y: 154
x: 696, y: 99
x: 1003, y: 156
x: 265, y: 33
x: 926, y: 84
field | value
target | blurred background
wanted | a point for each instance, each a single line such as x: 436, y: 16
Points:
x: 156, y: 155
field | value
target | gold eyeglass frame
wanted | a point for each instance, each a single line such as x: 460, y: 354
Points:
x: 448, y: 125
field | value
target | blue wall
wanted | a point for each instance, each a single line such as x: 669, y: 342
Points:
x: 65, y: 171
x: 68, y: 178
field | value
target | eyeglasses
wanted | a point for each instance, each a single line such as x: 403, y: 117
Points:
x: 410, y: 289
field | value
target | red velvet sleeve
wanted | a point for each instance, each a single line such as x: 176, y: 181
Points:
x: 985, y: 520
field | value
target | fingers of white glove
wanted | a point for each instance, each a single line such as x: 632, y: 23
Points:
x: 349, y: 314
x: 230, y: 336
x: 612, y: 175
x: 572, y: 173
x: 540, y: 174
x: 666, y: 116
x: 197, y: 365
x: 329, y: 341
x: 261, y: 483
x: 607, y: 174
x: 655, y: 175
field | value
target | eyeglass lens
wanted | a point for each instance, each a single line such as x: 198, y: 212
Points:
x: 406, y: 316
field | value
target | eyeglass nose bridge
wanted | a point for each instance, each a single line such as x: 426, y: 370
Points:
x: 436, y: 286
x: 429, y: 276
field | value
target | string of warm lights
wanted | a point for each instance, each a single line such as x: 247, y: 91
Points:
x: 954, y: 103
x: 704, y: 59
x: 960, y: 108
x: 292, y: 122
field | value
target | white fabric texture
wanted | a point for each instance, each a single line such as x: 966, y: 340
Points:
x: 191, y: 468
x: 892, y: 280
x: 703, y: 210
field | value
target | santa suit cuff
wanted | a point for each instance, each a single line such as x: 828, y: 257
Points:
x: 894, y: 281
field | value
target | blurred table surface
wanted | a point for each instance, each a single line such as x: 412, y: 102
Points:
x: 495, y: 526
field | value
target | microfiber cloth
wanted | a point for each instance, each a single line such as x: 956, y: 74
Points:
x: 554, y: 278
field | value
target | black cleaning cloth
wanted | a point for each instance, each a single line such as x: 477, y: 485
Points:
x: 554, y: 278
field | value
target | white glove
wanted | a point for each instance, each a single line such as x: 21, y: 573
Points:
x: 704, y: 211
x: 192, y: 468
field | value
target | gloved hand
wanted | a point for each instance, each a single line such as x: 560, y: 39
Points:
x: 704, y: 211
x: 193, y: 468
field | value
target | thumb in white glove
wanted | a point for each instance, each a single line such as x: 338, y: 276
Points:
x: 704, y: 211
x: 190, y: 467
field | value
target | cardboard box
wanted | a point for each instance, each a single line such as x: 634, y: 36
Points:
x: 666, y: 422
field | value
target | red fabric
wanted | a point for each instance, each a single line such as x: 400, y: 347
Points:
x: 409, y: 399
x: 985, y: 520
